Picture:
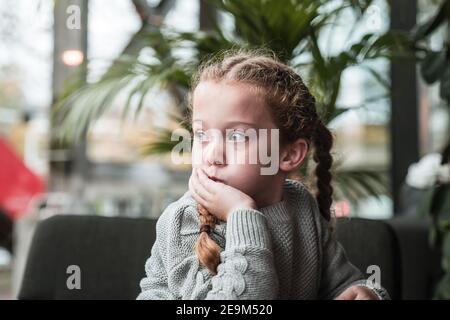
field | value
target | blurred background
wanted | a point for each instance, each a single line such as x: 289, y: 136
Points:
x: 91, y: 90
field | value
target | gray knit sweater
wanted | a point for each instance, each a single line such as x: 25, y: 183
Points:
x: 283, y: 251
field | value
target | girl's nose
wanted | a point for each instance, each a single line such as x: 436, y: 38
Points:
x: 215, y: 154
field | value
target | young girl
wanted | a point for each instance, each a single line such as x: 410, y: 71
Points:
x: 241, y: 234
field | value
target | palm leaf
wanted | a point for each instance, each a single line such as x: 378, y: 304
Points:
x: 355, y: 185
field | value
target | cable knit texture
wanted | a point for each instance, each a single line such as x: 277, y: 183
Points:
x: 283, y: 251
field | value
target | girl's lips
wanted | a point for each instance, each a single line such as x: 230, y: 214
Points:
x: 211, y: 175
x: 216, y: 179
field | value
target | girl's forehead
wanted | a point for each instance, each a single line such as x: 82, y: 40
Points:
x: 215, y: 103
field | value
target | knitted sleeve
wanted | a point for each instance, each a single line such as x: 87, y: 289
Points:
x: 247, y: 268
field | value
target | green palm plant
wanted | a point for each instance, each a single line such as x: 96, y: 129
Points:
x: 291, y: 29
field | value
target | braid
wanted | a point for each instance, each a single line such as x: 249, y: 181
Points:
x: 323, y: 142
x: 208, y: 252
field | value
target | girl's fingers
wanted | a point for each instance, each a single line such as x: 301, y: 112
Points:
x: 199, y: 187
x: 348, y: 294
x: 195, y: 195
x: 206, y: 182
x: 199, y: 199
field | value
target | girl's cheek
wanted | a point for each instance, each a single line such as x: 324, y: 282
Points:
x: 238, y: 154
x: 243, y: 177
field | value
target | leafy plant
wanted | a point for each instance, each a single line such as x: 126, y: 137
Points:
x: 291, y: 29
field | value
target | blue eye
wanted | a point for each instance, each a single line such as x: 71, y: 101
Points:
x: 200, y: 135
x: 237, y: 136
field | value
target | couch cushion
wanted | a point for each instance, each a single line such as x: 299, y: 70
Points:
x: 110, y: 252
x: 421, y: 264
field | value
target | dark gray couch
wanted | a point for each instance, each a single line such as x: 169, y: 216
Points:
x: 111, y: 253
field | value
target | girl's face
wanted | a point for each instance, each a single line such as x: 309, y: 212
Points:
x: 225, y: 116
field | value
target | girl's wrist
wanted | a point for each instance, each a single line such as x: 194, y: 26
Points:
x: 243, y: 206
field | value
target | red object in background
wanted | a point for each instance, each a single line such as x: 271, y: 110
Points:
x: 18, y: 184
x: 342, y: 209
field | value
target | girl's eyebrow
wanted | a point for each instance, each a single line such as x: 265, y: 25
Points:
x: 231, y: 123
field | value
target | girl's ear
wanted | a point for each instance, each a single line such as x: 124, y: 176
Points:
x: 293, y: 155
